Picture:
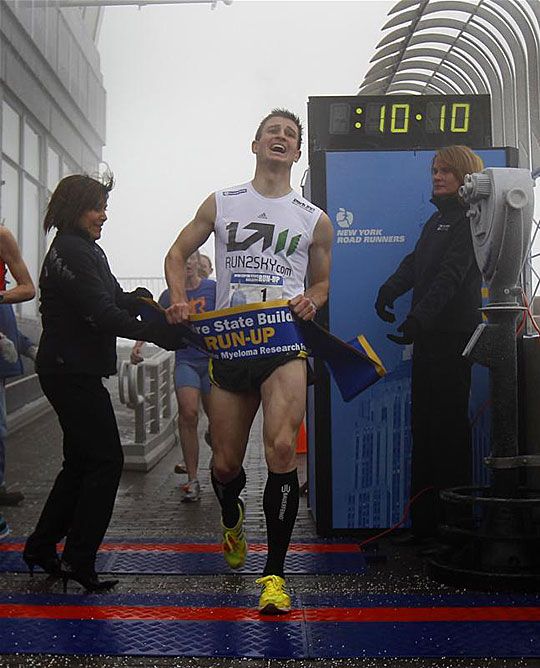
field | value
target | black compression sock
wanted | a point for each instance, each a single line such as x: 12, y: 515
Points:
x: 227, y: 495
x: 280, y: 503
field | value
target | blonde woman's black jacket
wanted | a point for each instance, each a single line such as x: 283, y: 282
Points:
x: 442, y: 272
x: 83, y: 310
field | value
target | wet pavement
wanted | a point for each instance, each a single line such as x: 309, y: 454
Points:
x: 148, y: 507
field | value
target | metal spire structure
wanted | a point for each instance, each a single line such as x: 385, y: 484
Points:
x: 464, y: 47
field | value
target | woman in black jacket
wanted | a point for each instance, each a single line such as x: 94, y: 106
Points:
x: 446, y: 284
x: 83, y: 310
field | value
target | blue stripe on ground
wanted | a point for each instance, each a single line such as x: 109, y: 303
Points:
x: 219, y: 600
x: 151, y: 638
x: 415, y: 639
x: 178, y: 563
x: 293, y: 640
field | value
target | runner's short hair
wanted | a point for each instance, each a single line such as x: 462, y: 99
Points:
x: 281, y: 113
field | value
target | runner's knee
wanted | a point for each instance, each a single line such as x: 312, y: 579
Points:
x: 189, y: 415
x: 280, y: 454
x: 224, y: 467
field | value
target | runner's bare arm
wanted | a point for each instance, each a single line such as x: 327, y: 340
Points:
x: 320, y: 252
x: 194, y: 234
x: 10, y: 253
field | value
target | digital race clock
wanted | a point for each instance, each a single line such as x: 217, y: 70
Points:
x: 399, y: 121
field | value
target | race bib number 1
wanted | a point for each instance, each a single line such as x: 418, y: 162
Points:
x: 255, y: 288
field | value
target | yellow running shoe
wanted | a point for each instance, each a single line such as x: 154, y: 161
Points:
x: 235, y: 545
x: 274, y: 598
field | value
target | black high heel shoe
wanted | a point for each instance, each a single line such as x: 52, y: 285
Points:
x: 87, y: 578
x: 48, y: 563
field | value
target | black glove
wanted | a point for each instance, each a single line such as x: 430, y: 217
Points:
x: 385, y: 299
x: 410, y: 328
x: 130, y: 300
x: 141, y: 292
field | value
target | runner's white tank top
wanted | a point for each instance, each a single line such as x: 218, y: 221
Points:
x: 261, y: 245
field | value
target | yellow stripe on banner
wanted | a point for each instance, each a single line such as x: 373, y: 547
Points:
x: 379, y: 366
x: 233, y: 310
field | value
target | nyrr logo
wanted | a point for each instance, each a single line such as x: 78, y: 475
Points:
x: 264, y: 231
x: 344, y: 218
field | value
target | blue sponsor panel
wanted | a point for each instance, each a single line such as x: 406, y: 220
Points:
x: 378, y: 202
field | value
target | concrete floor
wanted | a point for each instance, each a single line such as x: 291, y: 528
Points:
x: 148, y: 506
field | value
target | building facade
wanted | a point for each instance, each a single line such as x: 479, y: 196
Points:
x: 52, y: 113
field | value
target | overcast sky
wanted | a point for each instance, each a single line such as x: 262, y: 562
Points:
x: 186, y: 89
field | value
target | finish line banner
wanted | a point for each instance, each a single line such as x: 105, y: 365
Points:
x: 253, y: 331
x: 249, y: 331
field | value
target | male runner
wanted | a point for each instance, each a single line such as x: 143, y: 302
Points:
x: 262, y: 228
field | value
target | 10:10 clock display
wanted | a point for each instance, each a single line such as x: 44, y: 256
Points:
x: 396, y: 118
x: 398, y: 121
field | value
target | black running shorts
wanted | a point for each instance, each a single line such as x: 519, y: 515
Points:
x: 247, y: 375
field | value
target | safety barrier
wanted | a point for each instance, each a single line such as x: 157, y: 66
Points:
x: 147, y: 388
x: 25, y: 401
x: 156, y: 284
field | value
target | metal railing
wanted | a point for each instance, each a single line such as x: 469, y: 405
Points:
x: 156, y: 284
x: 148, y: 389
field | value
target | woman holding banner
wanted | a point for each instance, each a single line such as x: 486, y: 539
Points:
x: 83, y: 310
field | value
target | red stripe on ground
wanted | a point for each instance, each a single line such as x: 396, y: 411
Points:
x: 313, y: 548
x: 233, y: 614
x: 202, y: 547
x: 161, y: 547
x: 11, y: 547
x: 142, y: 613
